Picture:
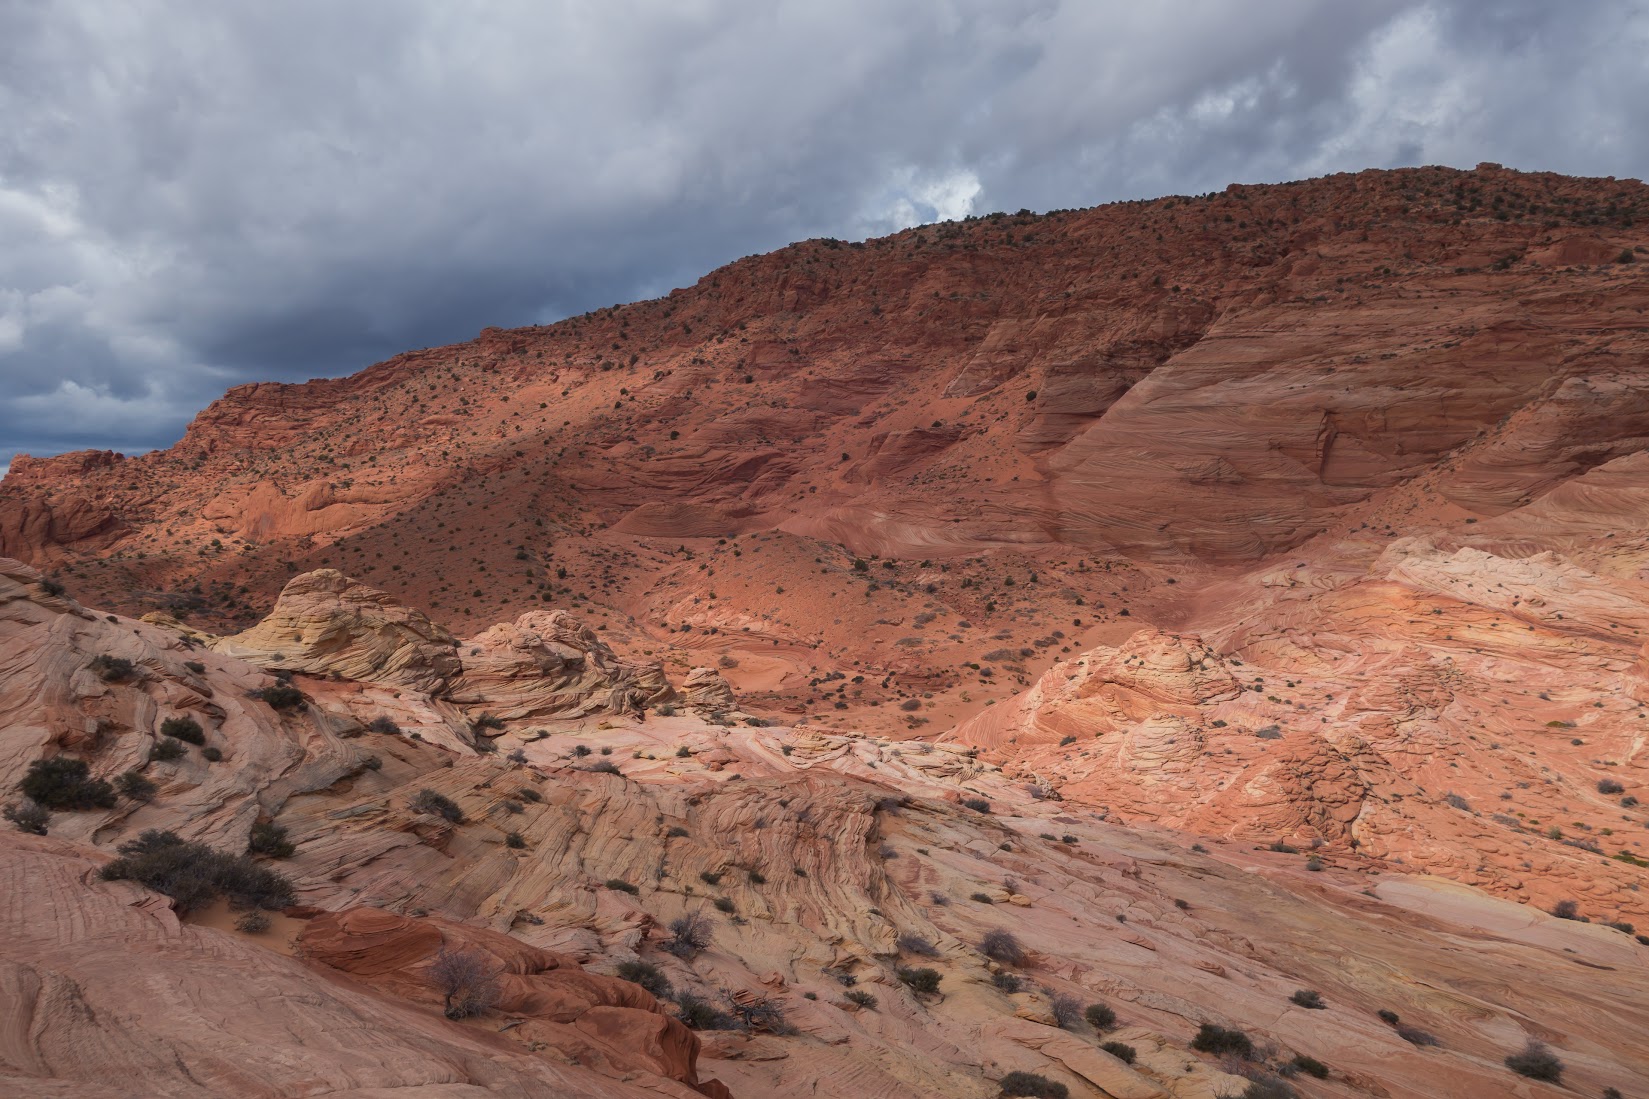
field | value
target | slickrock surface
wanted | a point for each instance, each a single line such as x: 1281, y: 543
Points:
x: 1279, y: 551
x: 823, y: 863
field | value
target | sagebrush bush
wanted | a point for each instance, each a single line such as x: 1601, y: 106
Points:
x: 166, y: 749
x: 1217, y: 1039
x: 1032, y: 1085
x: 1066, y: 1010
x: 1306, y: 997
x: 280, y: 696
x: 689, y: 935
x: 862, y: 998
x: 648, y: 976
x: 428, y: 801
x: 65, y: 783
x: 999, y: 945
x: 911, y: 943
x: 269, y: 838
x: 253, y: 923
x: 468, y: 981
x: 133, y: 785
x: 622, y: 886
x: 923, y: 981
x: 1124, y: 1053
x: 1100, y: 1017
x: 112, y: 669
x: 1537, y: 1062
x: 194, y: 875
x: 701, y: 1014
x: 1310, y: 1066
x: 28, y: 816
x: 183, y: 728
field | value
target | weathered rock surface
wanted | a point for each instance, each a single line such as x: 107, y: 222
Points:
x: 326, y: 623
x: 547, y: 663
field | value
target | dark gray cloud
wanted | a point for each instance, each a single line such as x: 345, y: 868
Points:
x: 194, y: 194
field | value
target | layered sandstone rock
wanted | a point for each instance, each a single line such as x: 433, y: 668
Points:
x: 547, y: 663
x: 326, y: 623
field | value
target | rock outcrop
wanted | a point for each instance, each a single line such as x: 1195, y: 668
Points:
x: 548, y: 664
x: 326, y: 623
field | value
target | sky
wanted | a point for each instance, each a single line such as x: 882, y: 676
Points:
x: 197, y: 194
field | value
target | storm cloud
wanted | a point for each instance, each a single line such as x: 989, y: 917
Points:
x: 193, y: 195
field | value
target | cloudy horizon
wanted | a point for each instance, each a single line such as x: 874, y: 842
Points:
x: 195, y: 196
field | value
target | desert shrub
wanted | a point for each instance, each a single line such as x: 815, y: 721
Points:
x: 923, y: 981
x: 911, y: 705
x: 195, y: 666
x: 1067, y: 1011
x: 1007, y: 982
x: 64, y: 782
x: 701, y: 1014
x: 1306, y: 997
x: 1414, y: 1036
x: 1456, y: 801
x: 861, y: 997
x: 1100, y: 1017
x: 28, y: 816
x: 978, y: 805
x: 664, y: 709
x: 581, y: 750
x: 186, y: 729
x: 604, y: 767
x: 467, y: 981
x: 515, y: 840
x: 1537, y: 1062
x: 527, y: 793
x: 1388, y: 1016
x: 165, y: 750
x: 280, y: 696
x: 756, y: 877
x: 648, y: 976
x: 517, y: 755
x: 1119, y: 1050
x: 383, y: 724
x: 133, y: 785
x: 982, y: 898
x: 193, y: 874
x: 724, y: 904
x: 112, y: 669
x: 253, y: 923
x: 912, y: 943
x: 1310, y: 1066
x: 269, y: 838
x: 762, y: 1014
x: 486, y: 721
x: 428, y: 801
x: 1609, y: 786
x: 1217, y: 1039
x: 211, y: 754
x: 621, y: 885
x: 710, y: 877
x: 1268, y: 1086
x: 1030, y: 1084
x: 689, y: 935
x: 1566, y: 910
x: 999, y: 945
